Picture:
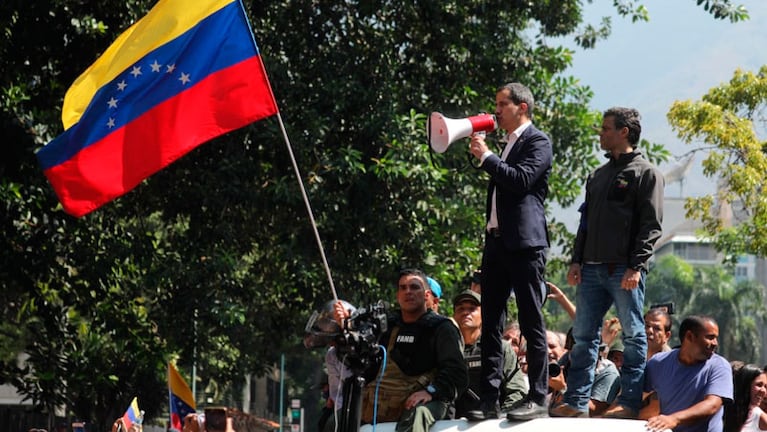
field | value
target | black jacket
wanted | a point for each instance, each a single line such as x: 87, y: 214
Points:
x: 623, y: 213
x: 431, y: 343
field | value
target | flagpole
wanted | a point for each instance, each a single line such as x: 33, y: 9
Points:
x: 293, y: 160
x: 194, y: 358
x: 170, y: 400
x: 282, y: 389
x: 308, y: 207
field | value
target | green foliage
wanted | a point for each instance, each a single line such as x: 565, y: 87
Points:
x: 589, y: 34
x: 727, y: 119
x: 632, y: 9
x: 655, y: 153
x: 723, y: 9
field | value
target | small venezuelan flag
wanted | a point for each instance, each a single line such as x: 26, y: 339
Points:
x: 180, y: 397
x: 132, y: 414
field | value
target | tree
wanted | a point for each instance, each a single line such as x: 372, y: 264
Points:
x: 211, y: 261
x: 727, y: 120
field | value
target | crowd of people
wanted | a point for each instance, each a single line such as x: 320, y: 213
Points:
x: 686, y: 388
x: 477, y: 365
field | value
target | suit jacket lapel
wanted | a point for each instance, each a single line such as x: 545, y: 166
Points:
x: 521, y: 141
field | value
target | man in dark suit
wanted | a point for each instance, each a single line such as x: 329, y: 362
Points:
x: 514, y: 256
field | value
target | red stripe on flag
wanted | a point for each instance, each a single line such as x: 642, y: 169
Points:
x: 176, y: 422
x: 230, y: 99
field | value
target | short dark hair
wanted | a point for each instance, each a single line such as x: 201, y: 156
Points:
x: 660, y: 312
x: 414, y: 272
x: 627, y: 118
x: 694, y: 324
x: 519, y: 93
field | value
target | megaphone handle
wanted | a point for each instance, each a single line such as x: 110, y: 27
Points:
x: 471, y: 161
x: 471, y: 157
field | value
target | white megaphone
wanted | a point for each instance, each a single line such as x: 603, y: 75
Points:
x: 443, y: 131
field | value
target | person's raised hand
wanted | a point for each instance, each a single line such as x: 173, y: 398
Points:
x: 340, y: 313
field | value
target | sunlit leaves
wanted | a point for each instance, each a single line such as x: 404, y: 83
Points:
x: 723, y: 9
x: 728, y: 120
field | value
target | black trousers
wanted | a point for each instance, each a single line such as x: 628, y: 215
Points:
x: 521, y: 271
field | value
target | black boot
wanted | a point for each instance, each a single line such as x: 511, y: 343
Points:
x: 486, y: 411
x: 528, y: 411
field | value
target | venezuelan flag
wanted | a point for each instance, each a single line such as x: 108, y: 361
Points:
x: 132, y: 414
x: 180, y: 397
x: 182, y: 75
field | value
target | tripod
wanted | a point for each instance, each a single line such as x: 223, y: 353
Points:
x: 351, y: 410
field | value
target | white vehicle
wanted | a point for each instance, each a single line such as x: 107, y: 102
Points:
x: 537, y: 425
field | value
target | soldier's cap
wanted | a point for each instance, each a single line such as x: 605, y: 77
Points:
x: 469, y: 295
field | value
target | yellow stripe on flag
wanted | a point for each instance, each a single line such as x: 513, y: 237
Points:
x: 178, y: 386
x: 167, y: 20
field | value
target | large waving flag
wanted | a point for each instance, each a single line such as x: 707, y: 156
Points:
x: 180, y: 397
x: 132, y: 414
x: 184, y: 74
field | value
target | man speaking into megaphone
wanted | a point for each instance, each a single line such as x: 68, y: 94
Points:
x: 514, y: 257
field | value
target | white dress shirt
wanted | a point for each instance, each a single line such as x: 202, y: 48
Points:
x: 510, y: 139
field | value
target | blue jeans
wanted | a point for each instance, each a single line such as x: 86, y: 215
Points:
x: 599, y: 289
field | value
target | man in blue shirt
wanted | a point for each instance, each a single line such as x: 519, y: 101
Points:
x: 691, y: 382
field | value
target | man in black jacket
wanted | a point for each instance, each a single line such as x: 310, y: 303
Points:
x: 620, y: 223
x: 425, y: 370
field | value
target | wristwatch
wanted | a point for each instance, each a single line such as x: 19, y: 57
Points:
x: 431, y: 389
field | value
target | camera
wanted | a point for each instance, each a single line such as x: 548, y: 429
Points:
x: 357, y: 345
x: 668, y: 307
x: 554, y: 369
x: 355, y: 340
x: 368, y: 321
x: 476, y: 277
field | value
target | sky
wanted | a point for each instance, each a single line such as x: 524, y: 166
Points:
x: 681, y: 53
